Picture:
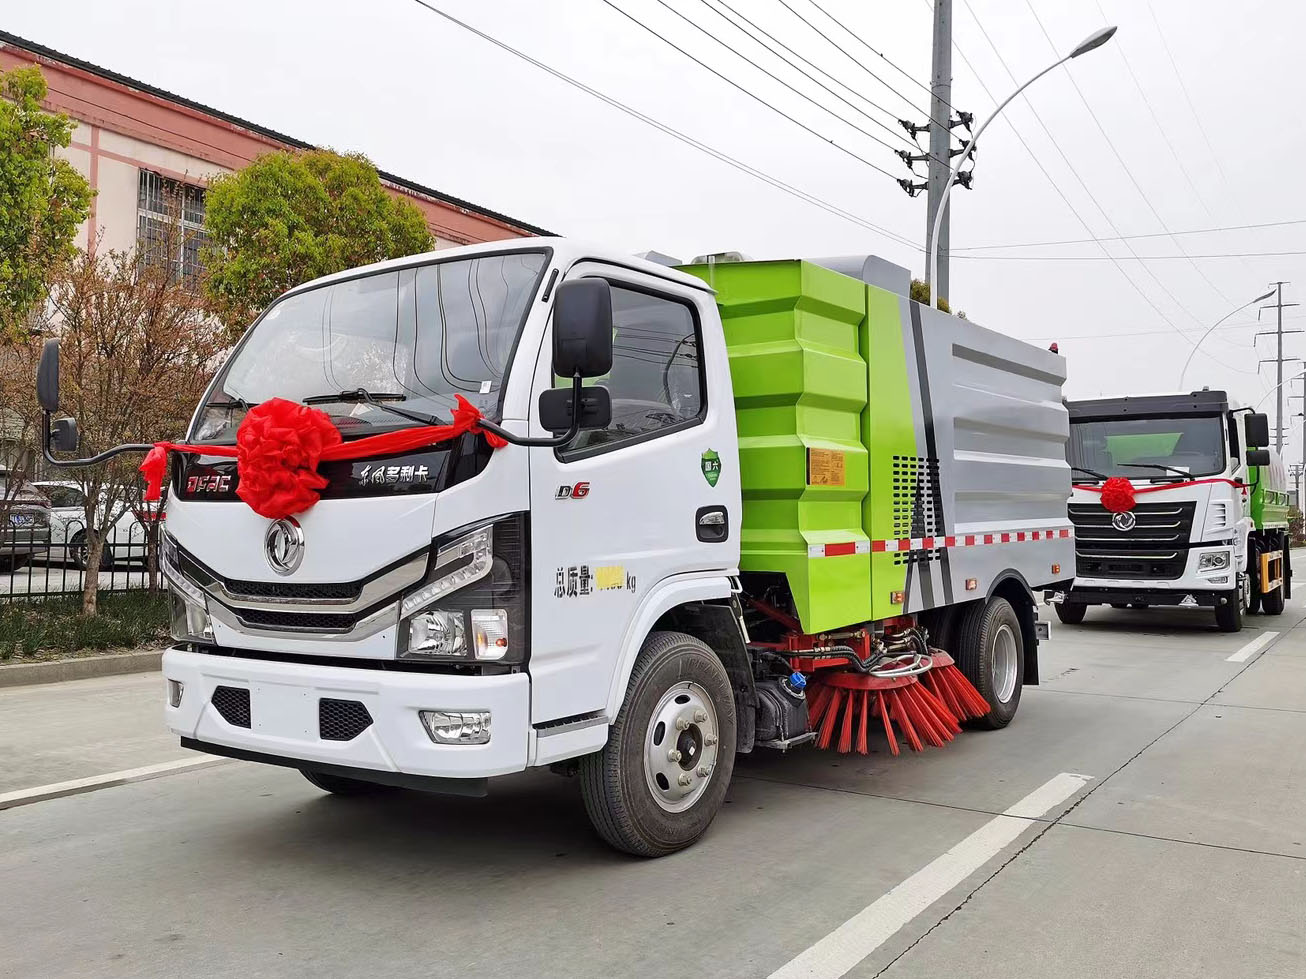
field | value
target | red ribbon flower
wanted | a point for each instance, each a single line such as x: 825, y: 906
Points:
x: 1118, y: 494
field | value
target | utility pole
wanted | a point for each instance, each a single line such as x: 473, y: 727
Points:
x: 940, y: 138
x: 1278, y: 359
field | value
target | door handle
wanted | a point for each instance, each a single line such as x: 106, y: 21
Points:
x: 712, y: 524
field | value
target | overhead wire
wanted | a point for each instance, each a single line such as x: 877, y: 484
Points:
x: 1119, y: 157
x: 1126, y: 258
x: 776, y: 78
x: 752, y: 95
x: 1083, y: 185
x: 895, y: 132
x: 1153, y: 234
x: 677, y: 134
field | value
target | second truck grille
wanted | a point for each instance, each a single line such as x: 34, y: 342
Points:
x: 1156, y: 547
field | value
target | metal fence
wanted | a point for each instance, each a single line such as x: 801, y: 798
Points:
x: 32, y: 568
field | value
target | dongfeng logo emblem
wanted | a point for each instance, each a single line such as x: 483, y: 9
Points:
x: 283, y: 545
x: 1123, y: 522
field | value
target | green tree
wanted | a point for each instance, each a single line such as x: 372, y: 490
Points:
x: 290, y: 217
x: 42, y: 198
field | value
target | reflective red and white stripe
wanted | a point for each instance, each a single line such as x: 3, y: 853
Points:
x: 934, y: 543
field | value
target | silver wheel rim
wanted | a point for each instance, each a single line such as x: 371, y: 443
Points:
x: 680, y: 746
x: 1004, y: 663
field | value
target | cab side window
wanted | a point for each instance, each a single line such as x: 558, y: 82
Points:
x: 657, y: 380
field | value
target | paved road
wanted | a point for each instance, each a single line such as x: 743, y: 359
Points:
x: 1184, y: 855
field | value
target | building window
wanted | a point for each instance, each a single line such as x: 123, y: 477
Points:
x: 162, y: 203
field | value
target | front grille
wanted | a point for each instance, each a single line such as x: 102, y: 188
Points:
x: 320, y: 592
x: 1156, y: 547
x: 297, y: 621
x: 341, y: 720
x: 233, y: 704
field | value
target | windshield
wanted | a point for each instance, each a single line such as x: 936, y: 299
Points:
x: 414, y: 338
x: 1147, y: 448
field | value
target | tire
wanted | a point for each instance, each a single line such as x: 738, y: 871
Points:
x: 341, y: 785
x: 79, y: 552
x: 1139, y: 605
x: 1119, y: 605
x: 1254, y: 576
x: 14, y: 562
x: 1229, y: 617
x: 630, y: 808
x: 989, y: 639
x: 1071, y: 613
x: 1272, y: 602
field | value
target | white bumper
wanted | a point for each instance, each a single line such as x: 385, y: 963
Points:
x: 284, y: 714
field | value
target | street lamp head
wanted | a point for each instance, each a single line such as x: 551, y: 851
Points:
x: 1259, y: 299
x: 1094, y: 40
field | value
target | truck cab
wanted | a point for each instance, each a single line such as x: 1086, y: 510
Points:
x: 1206, y: 524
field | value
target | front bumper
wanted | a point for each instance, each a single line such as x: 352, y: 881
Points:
x: 1203, y: 598
x: 283, y: 715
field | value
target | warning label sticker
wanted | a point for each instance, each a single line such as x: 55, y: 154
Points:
x: 825, y: 467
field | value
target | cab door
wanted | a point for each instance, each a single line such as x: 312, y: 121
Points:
x: 622, y: 509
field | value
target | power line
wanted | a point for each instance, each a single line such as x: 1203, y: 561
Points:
x: 1154, y: 234
x: 776, y: 78
x: 1119, y: 158
x: 752, y: 95
x: 1126, y: 258
x: 767, y: 178
x: 1084, y: 186
x: 898, y: 134
x: 844, y: 51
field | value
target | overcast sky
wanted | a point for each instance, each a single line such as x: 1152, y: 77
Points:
x: 1201, y: 100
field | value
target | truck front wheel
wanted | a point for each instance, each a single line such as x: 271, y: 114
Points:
x: 659, y: 781
x: 342, y: 785
x: 991, y: 652
x: 1071, y: 613
x: 1229, y: 617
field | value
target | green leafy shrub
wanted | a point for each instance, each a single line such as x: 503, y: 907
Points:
x: 57, y: 625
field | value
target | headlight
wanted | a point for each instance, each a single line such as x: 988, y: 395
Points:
x: 190, y: 621
x: 1213, y: 561
x: 473, y: 604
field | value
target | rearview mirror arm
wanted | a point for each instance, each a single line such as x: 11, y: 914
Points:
x: 104, y: 456
x: 548, y: 443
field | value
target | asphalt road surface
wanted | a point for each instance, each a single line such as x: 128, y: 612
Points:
x: 1144, y: 815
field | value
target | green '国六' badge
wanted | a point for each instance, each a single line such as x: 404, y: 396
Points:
x: 711, y: 466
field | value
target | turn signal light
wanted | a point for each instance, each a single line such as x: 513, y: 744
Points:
x: 897, y: 597
x: 1056, y: 569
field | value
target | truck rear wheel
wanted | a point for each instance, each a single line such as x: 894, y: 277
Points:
x: 1272, y: 601
x: 991, y: 652
x: 659, y: 781
x: 1071, y: 613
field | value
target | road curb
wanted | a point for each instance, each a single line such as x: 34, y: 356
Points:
x: 23, y: 674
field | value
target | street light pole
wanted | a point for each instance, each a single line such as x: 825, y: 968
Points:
x: 1094, y: 40
x: 1211, y: 329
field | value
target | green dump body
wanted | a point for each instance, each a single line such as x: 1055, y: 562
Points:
x: 1270, y: 497
x: 820, y: 381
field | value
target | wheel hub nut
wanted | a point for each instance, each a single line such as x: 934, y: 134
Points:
x: 673, y: 755
x: 710, y: 740
x: 682, y: 724
x: 684, y: 780
x: 704, y: 771
x: 700, y: 716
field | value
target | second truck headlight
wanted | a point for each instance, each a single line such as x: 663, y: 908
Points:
x: 1213, y: 561
x: 437, y: 632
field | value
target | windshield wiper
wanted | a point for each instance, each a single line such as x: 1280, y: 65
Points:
x: 1154, y: 465
x: 1092, y: 472
x: 377, y: 400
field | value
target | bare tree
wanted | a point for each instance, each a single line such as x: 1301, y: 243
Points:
x: 137, y: 349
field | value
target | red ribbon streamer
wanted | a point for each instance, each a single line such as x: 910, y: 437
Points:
x: 280, y: 443
x: 1117, y: 499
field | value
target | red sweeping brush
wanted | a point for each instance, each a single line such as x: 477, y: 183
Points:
x: 949, y: 685
x: 846, y: 700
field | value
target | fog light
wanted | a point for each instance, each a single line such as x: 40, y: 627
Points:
x: 175, y: 691
x: 457, y: 726
x: 437, y: 633
x: 1213, y: 561
x: 490, y: 633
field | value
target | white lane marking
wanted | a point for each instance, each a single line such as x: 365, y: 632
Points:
x: 55, y: 790
x: 1253, y: 647
x: 871, y: 927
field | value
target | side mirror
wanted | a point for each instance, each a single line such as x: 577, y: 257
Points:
x: 47, y: 377
x: 1258, y: 457
x: 556, y: 409
x: 63, y: 435
x: 582, y: 329
x: 1257, y: 429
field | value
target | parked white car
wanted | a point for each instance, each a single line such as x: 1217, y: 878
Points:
x: 124, y: 543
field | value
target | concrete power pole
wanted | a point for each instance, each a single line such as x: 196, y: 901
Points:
x: 1278, y: 359
x: 940, y: 138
